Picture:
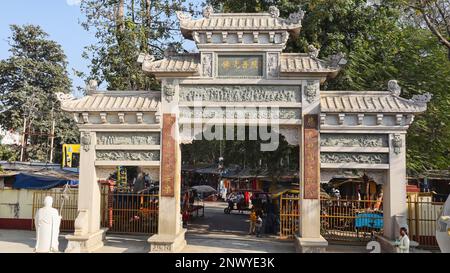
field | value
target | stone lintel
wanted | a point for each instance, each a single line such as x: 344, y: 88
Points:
x: 310, y: 245
x: 165, y: 243
x: 86, y: 243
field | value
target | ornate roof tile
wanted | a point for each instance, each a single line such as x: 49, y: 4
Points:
x: 368, y: 102
x: 112, y: 101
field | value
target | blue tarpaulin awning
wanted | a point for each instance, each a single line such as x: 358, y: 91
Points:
x: 39, y: 182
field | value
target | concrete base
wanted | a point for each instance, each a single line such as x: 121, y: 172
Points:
x: 86, y: 243
x: 310, y: 245
x: 162, y: 243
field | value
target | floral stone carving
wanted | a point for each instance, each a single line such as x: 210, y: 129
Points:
x: 360, y: 158
x: 127, y: 156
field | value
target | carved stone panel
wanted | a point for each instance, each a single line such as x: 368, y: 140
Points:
x: 353, y: 140
x: 272, y: 65
x: 311, y: 92
x: 359, y: 158
x: 241, y: 93
x: 207, y: 64
x: 128, y: 138
x: 109, y: 155
x: 311, y: 152
x: 237, y: 113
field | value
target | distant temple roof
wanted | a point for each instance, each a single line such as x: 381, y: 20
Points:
x: 370, y: 102
x: 268, y: 21
x: 112, y: 101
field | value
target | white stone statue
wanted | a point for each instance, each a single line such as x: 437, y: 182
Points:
x: 47, y: 221
x: 443, y: 228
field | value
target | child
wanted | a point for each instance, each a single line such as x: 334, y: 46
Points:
x: 253, y: 219
x: 258, y: 225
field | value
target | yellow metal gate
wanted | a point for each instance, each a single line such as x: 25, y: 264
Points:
x: 130, y: 212
x: 350, y: 220
x: 289, y: 215
x: 422, y: 216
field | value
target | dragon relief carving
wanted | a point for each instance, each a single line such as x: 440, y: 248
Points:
x: 169, y: 92
x: 311, y: 91
x: 397, y: 144
x: 86, y: 141
x: 207, y: 65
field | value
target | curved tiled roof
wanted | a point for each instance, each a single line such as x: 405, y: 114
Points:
x: 367, y: 102
x: 298, y: 62
x: 188, y: 63
x: 114, y: 101
x: 238, y: 22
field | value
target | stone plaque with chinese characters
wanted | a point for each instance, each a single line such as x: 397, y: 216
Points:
x: 311, y: 157
x: 169, y: 150
x: 240, y: 66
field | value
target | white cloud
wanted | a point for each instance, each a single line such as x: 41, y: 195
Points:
x: 73, y: 2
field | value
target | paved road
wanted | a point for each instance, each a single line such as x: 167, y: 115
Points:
x: 216, y: 232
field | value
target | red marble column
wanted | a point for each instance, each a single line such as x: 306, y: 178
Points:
x: 311, y: 157
x: 168, y: 151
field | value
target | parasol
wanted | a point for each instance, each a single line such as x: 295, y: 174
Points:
x: 204, y: 189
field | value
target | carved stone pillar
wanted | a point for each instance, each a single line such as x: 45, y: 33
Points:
x: 309, y: 239
x: 394, y: 190
x: 88, y: 235
x: 171, y: 235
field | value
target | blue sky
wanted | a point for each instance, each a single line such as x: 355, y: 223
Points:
x: 59, y: 18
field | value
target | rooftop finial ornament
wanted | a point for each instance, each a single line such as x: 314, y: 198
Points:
x: 313, y: 51
x: 208, y: 11
x: 274, y: 11
x: 296, y: 17
x: 183, y: 16
x: 91, y: 86
x: 394, y: 87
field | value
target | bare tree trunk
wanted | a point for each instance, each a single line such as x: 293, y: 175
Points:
x: 120, y: 18
x: 23, y: 139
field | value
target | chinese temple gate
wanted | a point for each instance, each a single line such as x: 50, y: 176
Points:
x: 240, y: 76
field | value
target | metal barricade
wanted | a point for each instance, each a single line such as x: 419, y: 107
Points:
x: 422, y: 216
x: 132, y: 213
x: 289, y: 215
x: 350, y: 220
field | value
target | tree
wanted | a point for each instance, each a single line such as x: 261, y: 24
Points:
x: 380, y: 43
x: 29, y: 79
x: 125, y: 28
x: 435, y: 14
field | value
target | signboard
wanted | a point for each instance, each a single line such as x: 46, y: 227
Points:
x: 311, y: 157
x: 240, y: 66
x: 169, y: 150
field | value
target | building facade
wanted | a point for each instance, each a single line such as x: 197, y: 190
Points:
x: 241, y: 77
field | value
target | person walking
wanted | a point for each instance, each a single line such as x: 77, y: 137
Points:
x: 403, y: 242
x: 253, y: 219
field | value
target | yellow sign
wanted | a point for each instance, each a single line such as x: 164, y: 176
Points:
x: 68, y: 151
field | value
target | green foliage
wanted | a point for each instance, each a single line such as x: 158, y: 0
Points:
x: 29, y: 79
x: 246, y: 153
x: 124, y: 29
x: 381, y: 43
x: 7, y: 154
